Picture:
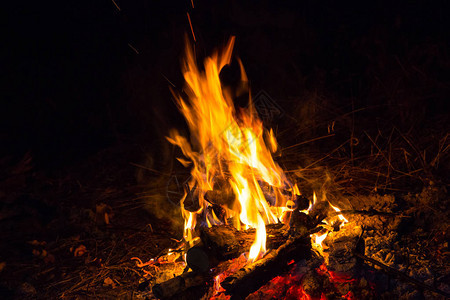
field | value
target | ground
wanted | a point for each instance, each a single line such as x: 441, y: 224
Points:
x: 76, y: 233
x: 360, y: 93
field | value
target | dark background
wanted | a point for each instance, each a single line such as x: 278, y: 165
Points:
x: 73, y: 84
x: 364, y: 87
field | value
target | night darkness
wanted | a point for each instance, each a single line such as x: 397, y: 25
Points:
x: 86, y: 105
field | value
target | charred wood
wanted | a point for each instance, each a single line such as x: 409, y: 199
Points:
x: 320, y: 211
x: 300, y: 223
x: 251, y: 277
x: 312, y: 283
x: 340, y: 246
x: 180, y: 284
x: 222, y: 194
x: 224, y: 242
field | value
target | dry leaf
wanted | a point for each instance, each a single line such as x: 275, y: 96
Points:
x: 80, y: 250
x: 109, y: 281
x: 2, y: 265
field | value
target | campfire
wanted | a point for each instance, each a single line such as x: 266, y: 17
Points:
x: 317, y: 167
x: 247, y: 226
x: 234, y: 177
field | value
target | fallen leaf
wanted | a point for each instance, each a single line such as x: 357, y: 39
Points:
x: 108, y: 281
x: 2, y: 265
x: 80, y: 250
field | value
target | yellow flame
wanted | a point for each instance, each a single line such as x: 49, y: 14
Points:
x: 311, y: 204
x: 318, y: 239
x: 272, y: 141
x: 316, y: 242
x: 340, y: 216
x: 295, y: 190
x: 227, y: 145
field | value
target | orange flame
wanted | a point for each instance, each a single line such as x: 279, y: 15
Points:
x: 340, y: 216
x: 227, y: 145
x: 319, y: 237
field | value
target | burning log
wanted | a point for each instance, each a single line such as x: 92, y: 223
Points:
x: 180, y: 284
x: 257, y: 273
x: 228, y: 242
x: 340, y: 246
x: 320, y: 211
x: 222, y: 193
x: 252, y: 276
x: 224, y: 242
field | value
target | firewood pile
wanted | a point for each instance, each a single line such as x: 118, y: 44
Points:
x: 357, y: 262
x: 235, y: 180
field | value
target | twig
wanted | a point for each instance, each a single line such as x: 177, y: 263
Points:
x: 148, y: 169
x: 328, y: 155
x: 309, y: 141
x: 401, y: 275
x: 370, y: 212
x: 419, y: 155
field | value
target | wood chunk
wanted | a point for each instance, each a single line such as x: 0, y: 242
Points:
x: 180, y: 284
x: 320, y: 211
x: 226, y: 242
x: 252, y: 276
x: 223, y: 197
x: 312, y: 283
x: 300, y: 223
x: 341, y: 246
x: 199, y: 260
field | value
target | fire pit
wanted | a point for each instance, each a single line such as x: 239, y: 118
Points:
x: 123, y: 178
x: 248, y: 230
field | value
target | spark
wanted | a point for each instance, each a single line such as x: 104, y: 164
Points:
x: 134, y: 49
x: 192, y: 29
x: 115, y: 4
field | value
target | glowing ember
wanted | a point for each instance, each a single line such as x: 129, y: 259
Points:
x: 227, y: 146
x: 235, y: 264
